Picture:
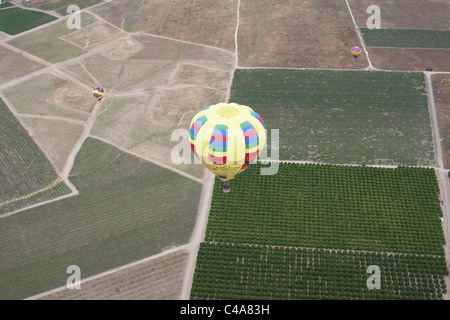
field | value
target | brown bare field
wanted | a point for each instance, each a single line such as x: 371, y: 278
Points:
x: 441, y: 92
x: 15, y: 65
x: 92, y: 35
x: 73, y: 96
x: 301, y: 34
x: 420, y: 14
x: 172, y: 104
x: 41, y: 97
x: 155, y: 85
x: 144, y: 62
x: 201, y: 76
x: 200, y: 21
x: 155, y: 48
x: 144, y: 124
x: 121, y: 49
x: 410, y: 59
x: 125, y: 76
x: 157, y: 279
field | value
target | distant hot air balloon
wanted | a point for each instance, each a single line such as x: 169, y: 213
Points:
x: 98, y: 93
x: 227, y: 138
x: 356, y: 51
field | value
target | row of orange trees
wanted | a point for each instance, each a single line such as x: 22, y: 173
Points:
x: 238, y: 271
x: 327, y: 206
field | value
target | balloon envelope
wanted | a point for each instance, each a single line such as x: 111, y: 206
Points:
x: 98, y: 93
x: 227, y: 138
x: 356, y: 51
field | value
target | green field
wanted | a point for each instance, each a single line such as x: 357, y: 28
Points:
x: 406, y: 38
x: 17, y: 20
x: 329, y: 209
x: 6, y: 4
x: 342, y: 116
x: 24, y: 169
x: 127, y: 209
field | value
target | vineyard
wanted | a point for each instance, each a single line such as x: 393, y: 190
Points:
x: 342, y: 117
x: 127, y: 209
x: 24, y: 169
x: 157, y: 279
x: 364, y: 214
x: 406, y: 38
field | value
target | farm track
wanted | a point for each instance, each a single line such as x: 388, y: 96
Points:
x: 326, y: 249
x: 208, y: 179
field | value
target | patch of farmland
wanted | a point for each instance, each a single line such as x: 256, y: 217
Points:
x: 72, y: 96
x: 6, y: 4
x: 342, y: 116
x: 127, y: 209
x: 406, y: 38
x: 197, y: 21
x: 410, y: 59
x: 417, y: 14
x: 14, y: 65
x: 311, y: 231
x: 121, y: 49
x: 262, y: 272
x: 47, y: 44
x: 57, y: 138
x: 195, y: 74
x: 24, y: 169
x: 331, y: 207
x: 93, y: 35
x: 123, y: 75
x: 45, y: 97
x: 60, y: 6
x: 155, y: 48
x: 145, y: 124
x: 17, y: 20
x: 144, y: 62
x: 302, y: 34
x: 441, y: 91
x: 157, y: 279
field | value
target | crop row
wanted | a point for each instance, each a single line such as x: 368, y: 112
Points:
x: 238, y: 271
x: 47, y: 194
x: 324, y: 116
x: 127, y: 209
x: 299, y: 206
x: 406, y: 38
x: 24, y: 169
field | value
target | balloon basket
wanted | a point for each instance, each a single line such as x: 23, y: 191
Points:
x: 226, y: 188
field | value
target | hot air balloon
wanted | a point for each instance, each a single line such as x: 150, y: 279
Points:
x: 356, y: 51
x: 98, y: 93
x: 227, y: 138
